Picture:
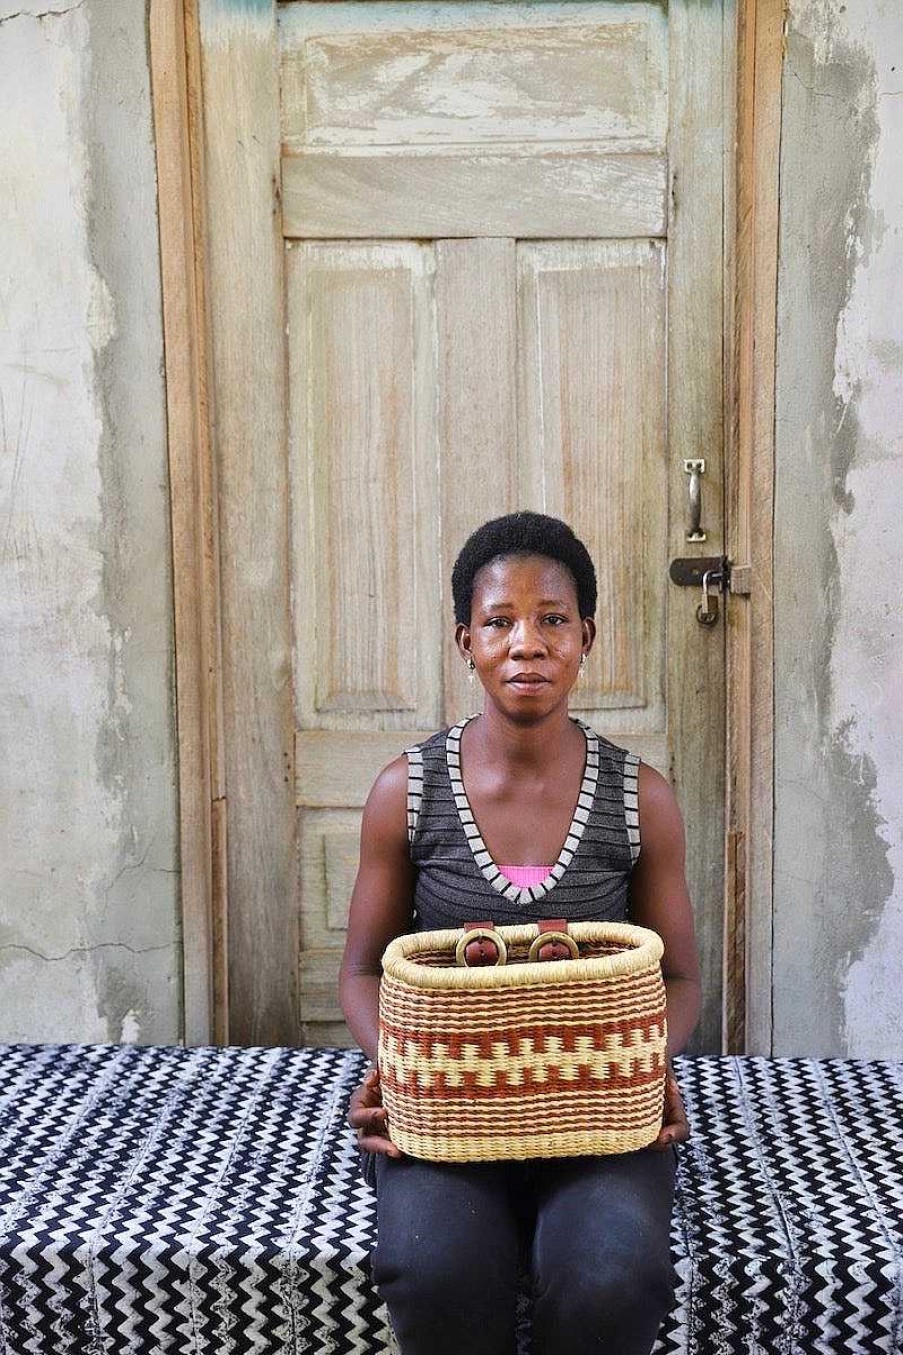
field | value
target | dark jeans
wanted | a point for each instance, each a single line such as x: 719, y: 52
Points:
x: 594, y: 1231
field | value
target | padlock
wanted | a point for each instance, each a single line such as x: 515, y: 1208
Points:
x: 707, y: 611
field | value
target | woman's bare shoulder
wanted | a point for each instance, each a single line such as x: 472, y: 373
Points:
x: 386, y: 807
x: 658, y: 804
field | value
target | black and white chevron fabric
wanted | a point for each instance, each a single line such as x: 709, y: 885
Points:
x: 209, y: 1202
x: 788, y: 1221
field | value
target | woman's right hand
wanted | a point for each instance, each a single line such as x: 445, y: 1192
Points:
x: 368, y: 1116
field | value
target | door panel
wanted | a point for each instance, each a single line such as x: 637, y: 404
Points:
x: 423, y: 74
x: 452, y: 193
x: 363, y: 477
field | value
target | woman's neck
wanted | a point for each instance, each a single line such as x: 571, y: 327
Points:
x: 521, y: 747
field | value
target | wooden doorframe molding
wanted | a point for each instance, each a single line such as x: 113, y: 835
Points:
x: 178, y: 136
x: 751, y: 261
x: 753, y: 97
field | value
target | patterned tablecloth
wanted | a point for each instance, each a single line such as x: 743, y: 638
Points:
x: 208, y: 1201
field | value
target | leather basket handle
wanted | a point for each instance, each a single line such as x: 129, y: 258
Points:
x: 480, y: 945
x: 554, y: 941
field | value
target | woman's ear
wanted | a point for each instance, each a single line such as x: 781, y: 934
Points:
x: 462, y: 639
x: 589, y: 633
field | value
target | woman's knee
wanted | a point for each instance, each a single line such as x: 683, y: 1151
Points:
x: 447, y: 1273
x: 443, y: 1301
x: 439, y: 1266
x: 589, y: 1305
x: 625, y: 1291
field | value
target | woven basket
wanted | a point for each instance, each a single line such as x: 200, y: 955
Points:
x: 529, y: 1057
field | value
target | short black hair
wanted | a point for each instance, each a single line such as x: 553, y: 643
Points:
x: 522, y: 533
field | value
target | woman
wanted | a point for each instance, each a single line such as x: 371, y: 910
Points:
x: 528, y: 778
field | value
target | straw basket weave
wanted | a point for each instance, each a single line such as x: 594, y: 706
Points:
x: 523, y: 1057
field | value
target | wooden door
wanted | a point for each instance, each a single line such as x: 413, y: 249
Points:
x: 464, y: 258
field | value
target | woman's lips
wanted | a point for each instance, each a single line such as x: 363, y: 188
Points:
x: 527, y: 682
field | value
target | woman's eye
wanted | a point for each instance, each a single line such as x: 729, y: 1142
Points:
x: 503, y: 621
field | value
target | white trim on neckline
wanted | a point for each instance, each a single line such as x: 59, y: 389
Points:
x: 491, y: 873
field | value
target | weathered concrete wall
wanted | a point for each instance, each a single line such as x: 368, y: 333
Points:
x: 89, y: 925
x: 838, y: 925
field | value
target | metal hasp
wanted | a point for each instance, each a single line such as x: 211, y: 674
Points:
x: 710, y: 572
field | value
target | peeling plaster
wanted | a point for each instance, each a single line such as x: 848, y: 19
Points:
x: 836, y: 783
x: 867, y: 659
x: 130, y: 1029
x: 135, y: 756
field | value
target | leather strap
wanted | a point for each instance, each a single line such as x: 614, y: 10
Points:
x: 483, y: 951
x: 554, y: 950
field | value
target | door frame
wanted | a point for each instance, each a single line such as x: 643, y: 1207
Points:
x: 174, y: 51
x: 222, y: 742
x: 751, y: 276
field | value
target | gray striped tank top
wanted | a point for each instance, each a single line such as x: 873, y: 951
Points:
x: 457, y: 880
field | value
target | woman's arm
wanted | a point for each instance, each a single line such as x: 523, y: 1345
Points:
x: 381, y: 908
x: 381, y: 901
x: 659, y: 899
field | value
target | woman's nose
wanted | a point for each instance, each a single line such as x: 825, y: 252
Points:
x: 526, y: 638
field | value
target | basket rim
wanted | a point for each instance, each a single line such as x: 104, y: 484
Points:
x: 646, y: 949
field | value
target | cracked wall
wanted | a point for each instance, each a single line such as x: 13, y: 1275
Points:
x: 838, y: 902
x: 89, y: 911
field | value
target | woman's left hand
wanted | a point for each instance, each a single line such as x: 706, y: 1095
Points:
x: 675, y: 1126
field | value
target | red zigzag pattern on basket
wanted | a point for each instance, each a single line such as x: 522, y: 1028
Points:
x: 525, y: 1058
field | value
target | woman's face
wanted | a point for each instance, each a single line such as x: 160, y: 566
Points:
x: 526, y: 634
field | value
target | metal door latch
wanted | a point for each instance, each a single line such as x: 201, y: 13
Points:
x: 714, y: 574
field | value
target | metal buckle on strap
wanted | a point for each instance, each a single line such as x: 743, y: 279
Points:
x: 545, y: 938
x: 481, y: 934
